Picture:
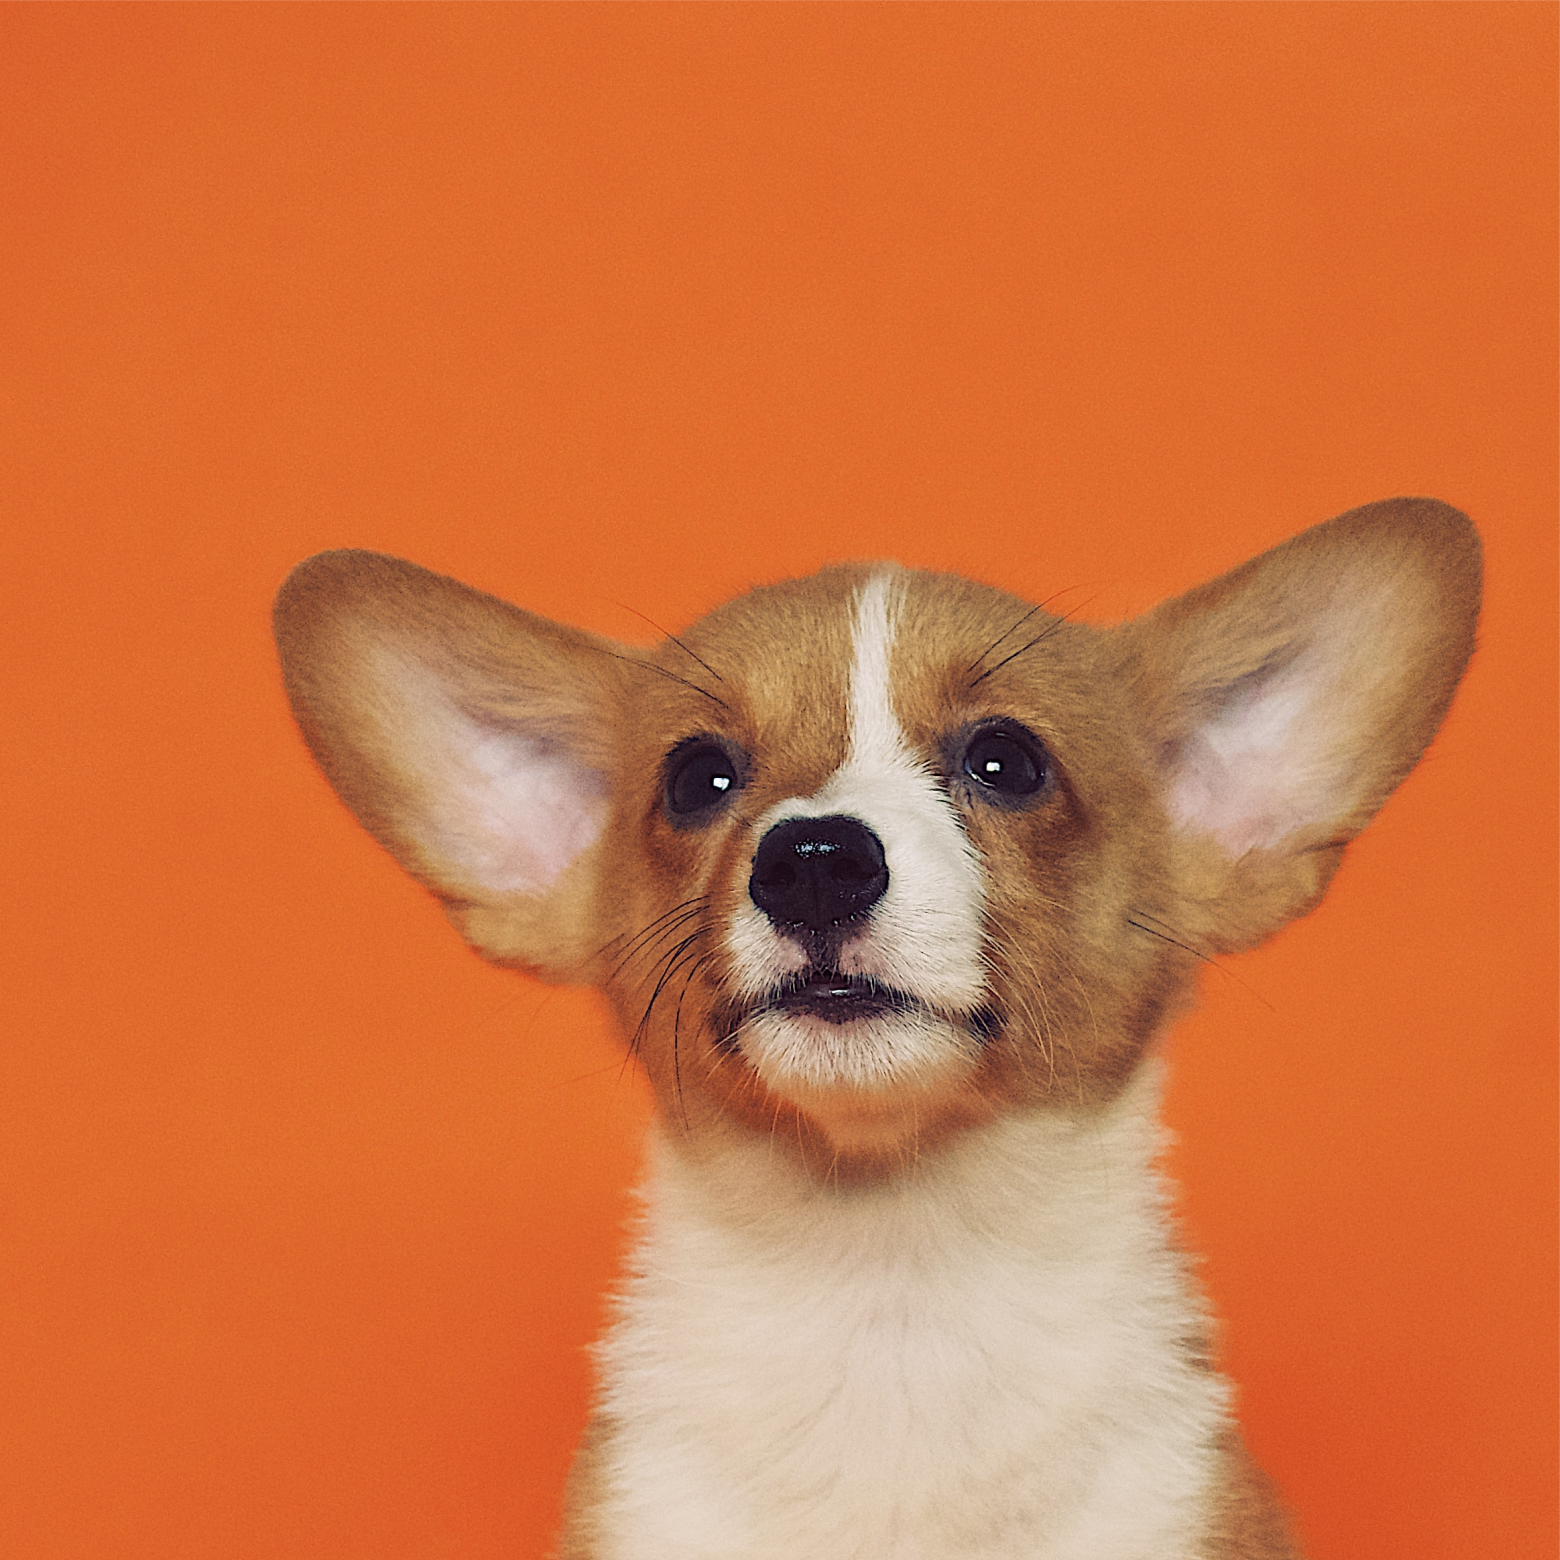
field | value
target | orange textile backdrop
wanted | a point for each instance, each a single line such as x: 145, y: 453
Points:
x: 616, y: 310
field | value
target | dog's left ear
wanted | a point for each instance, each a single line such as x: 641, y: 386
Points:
x: 1285, y: 700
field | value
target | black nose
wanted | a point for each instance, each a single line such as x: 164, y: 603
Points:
x: 818, y: 872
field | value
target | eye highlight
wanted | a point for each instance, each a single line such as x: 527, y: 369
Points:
x: 700, y: 776
x: 1007, y: 762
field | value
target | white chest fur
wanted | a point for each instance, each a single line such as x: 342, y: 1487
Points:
x: 988, y: 1359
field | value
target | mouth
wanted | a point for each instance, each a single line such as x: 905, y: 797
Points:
x: 824, y: 1030
x: 837, y: 998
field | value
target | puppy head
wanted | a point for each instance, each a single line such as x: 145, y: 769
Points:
x: 871, y: 857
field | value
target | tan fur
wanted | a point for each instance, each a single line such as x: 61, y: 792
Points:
x: 1098, y: 902
x: 1248, y: 1518
x: 583, y: 1497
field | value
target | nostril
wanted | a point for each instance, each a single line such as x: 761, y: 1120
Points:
x: 818, y: 872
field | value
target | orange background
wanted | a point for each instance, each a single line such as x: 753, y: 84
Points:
x: 307, y: 1211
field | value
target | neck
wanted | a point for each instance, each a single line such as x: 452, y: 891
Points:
x: 1035, y: 1178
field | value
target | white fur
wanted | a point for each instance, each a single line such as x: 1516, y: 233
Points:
x: 984, y: 1360
x: 500, y: 809
x: 925, y: 933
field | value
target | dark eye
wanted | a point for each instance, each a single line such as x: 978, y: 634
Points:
x: 699, y: 775
x: 1008, y: 761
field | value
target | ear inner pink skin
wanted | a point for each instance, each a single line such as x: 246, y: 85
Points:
x: 506, y: 811
x: 1247, y: 776
x: 1287, y: 750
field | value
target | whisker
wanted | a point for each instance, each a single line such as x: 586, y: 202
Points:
x: 1041, y: 1026
x: 1039, y: 638
x: 674, y: 639
x: 650, y: 944
x: 637, y: 1035
x: 1052, y: 1031
x: 612, y: 942
x: 647, y: 936
x: 688, y: 980
x: 669, y: 963
x: 1014, y: 628
x: 1039, y: 607
x: 661, y: 671
x: 673, y: 961
x: 641, y: 1029
x: 1197, y: 953
x: 1094, y: 1024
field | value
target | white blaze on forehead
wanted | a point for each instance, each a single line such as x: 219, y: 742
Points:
x: 874, y: 728
x: 924, y: 935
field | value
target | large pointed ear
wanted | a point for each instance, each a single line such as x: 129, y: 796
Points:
x: 473, y: 740
x: 1285, y: 701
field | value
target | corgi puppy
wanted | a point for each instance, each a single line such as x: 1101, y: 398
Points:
x: 893, y: 880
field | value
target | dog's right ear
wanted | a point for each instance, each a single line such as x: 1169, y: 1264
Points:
x: 473, y: 740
